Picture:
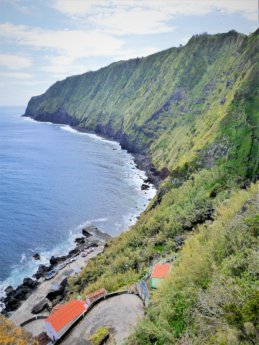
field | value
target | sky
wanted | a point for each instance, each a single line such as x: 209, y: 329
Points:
x: 42, y: 41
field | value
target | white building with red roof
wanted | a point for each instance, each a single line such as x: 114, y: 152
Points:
x: 62, y: 319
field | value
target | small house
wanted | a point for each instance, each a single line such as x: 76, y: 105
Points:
x: 159, y: 273
x: 63, y: 318
x: 95, y: 295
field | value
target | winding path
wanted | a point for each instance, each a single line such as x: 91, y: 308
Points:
x: 120, y: 313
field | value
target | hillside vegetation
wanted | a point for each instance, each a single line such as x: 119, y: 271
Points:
x: 193, y: 111
x: 12, y: 335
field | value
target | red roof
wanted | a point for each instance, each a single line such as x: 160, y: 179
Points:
x: 161, y: 271
x: 97, y: 293
x: 66, y: 314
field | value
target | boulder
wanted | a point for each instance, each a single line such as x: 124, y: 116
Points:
x: 36, y: 256
x: 9, y: 290
x: 42, y: 270
x: 80, y: 240
x: 11, y: 304
x: 53, y: 260
x: 44, y: 304
x: 74, y: 251
x: 144, y: 186
x: 30, y: 283
x: 93, y: 231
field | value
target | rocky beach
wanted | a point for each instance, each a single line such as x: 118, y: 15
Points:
x: 88, y: 245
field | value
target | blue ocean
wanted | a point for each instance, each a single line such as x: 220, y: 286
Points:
x: 53, y: 181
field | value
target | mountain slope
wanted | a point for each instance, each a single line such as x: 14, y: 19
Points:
x: 193, y: 111
x: 167, y: 105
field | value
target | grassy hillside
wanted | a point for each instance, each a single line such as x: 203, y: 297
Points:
x: 194, y: 112
x: 212, y: 294
x: 168, y: 105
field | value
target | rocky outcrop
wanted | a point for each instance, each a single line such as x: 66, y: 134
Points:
x: 60, y: 116
x: 93, y: 233
x: 93, y: 237
x: 44, y: 304
x: 36, y: 256
x: 14, y: 297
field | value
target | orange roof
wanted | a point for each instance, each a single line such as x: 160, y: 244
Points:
x: 161, y: 271
x: 97, y: 293
x: 66, y: 314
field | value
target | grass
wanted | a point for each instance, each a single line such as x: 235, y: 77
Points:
x: 193, y: 110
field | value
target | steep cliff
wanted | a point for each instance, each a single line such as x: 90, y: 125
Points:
x: 194, y: 112
x: 168, y: 105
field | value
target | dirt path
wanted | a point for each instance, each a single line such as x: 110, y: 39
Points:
x: 24, y: 312
x: 120, y: 313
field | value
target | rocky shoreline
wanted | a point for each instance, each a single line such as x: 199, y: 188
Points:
x: 141, y: 158
x: 92, y: 238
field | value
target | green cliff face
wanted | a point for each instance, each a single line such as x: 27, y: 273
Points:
x: 193, y: 111
x: 169, y: 105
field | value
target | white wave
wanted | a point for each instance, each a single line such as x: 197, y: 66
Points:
x: 90, y: 135
x: 71, y: 130
x: 23, y: 258
x: 28, y: 266
x: 29, y: 119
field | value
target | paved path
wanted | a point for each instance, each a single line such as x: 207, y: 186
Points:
x: 24, y: 312
x: 120, y: 313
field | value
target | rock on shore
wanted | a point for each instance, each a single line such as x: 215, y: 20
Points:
x: 14, y: 297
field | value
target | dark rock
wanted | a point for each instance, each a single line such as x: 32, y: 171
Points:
x: 164, y: 173
x: 63, y: 283
x: 59, y: 293
x: 36, y: 256
x: 11, y: 304
x: 80, y: 240
x: 44, y: 304
x: 30, y: 283
x: 93, y: 231
x: 42, y: 270
x: 144, y: 186
x: 86, y: 232
x: 60, y: 116
x: 223, y: 100
x: 9, y: 290
x: 74, y: 252
x: 22, y: 292
x: 53, y: 260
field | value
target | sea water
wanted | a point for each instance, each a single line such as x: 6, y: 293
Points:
x: 53, y: 182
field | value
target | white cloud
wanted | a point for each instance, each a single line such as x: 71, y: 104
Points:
x: 72, y: 43
x: 15, y: 62
x: 15, y: 75
x: 145, y: 17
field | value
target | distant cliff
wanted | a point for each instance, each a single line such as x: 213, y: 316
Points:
x: 168, y: 105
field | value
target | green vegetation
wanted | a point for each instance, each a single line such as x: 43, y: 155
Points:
x: 98, y: 337
x: 212, y: 294
x: 193, y: 110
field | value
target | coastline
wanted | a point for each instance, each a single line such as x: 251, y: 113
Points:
x: 44, y: 298
x: 29, y: 286
x: 141, y: 157
x: 92, y: 241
